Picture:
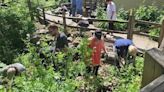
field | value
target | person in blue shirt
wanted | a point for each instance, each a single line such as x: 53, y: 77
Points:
x: 79, y: 5
x: 122, y: 49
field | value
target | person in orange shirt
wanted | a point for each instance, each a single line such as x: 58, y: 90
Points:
x: 97, y: 46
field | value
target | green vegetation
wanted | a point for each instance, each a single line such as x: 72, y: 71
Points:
x: 60, y: 72
x: 15, y: 24
x: 146, y: 13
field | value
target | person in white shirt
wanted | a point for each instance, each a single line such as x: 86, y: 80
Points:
x: 111, y: 13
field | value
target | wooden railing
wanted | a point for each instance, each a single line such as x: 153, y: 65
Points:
x: 130, y: 23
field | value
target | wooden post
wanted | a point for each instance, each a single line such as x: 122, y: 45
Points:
x: 37, y: 11
x: 161, y: 38
x: 30, y: 9
x: 64, y: 23
x: 85, y: 8
x: 44, y: 17
x: 131, y: 25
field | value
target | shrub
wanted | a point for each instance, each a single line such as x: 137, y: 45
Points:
x: 148, y: 13
x: 15, y: 24
x: 121, y: 15
x: 101, y: 14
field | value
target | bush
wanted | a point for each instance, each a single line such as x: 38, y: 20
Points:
x: 15, y: 24
x: 121, y: 15
x: 129, y: 78
x: 148, y: 13
x: 101, y: 14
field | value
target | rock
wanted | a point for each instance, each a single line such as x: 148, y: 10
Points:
x: 34, y: 39
x: 42, y: 31
x: 70, y: 39
x: 77, y: 40
x: 83, y: 23
x: 64, y: 8
x: 110, y: 58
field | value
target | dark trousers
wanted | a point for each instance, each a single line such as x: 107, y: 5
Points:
x: 122, y: 54
x: 122, y: 51
x: 93, y: 70
x: 111, y: 26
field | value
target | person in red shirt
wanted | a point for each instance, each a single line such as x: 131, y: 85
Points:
x: 97, y: 46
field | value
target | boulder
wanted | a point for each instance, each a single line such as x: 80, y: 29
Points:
x: 83, y: 23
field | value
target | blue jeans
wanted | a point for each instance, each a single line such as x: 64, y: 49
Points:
x: 79, y: 11
x: 73, y: 10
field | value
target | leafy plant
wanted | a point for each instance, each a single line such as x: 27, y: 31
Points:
x: 148, y: 13
x: 14, y: 24
x: 101, y: 14
x: 121, y: 15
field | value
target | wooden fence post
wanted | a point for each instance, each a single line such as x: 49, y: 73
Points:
x: 85, y: 8
x: 131, y: 25
x: 161, y: 38
x: 44, y: 16
x: 30, y: 9
x: 37, y: 13
x: 64, y: 22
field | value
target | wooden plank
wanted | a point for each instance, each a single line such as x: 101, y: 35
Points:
x: 161, y: 35
x: 155, y: 86
x: 85, y: 9
x: 147, y: 22
x: 153, y: 65
x: 159, y: 88
x: 158, y: 56
x: 90, y: 19
x: 131, y: 25
x: 64, y: 23
x: 44, y: 16
x: 151, y: 28
x: 145, y: 34
x: 148, y: 70
x: 158, y: 70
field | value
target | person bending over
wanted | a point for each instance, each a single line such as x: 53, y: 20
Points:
x: 10, y: 71
x: 123, y: 46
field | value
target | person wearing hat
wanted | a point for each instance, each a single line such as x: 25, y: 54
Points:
x: 97, y: 46
x: 124, y: 48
